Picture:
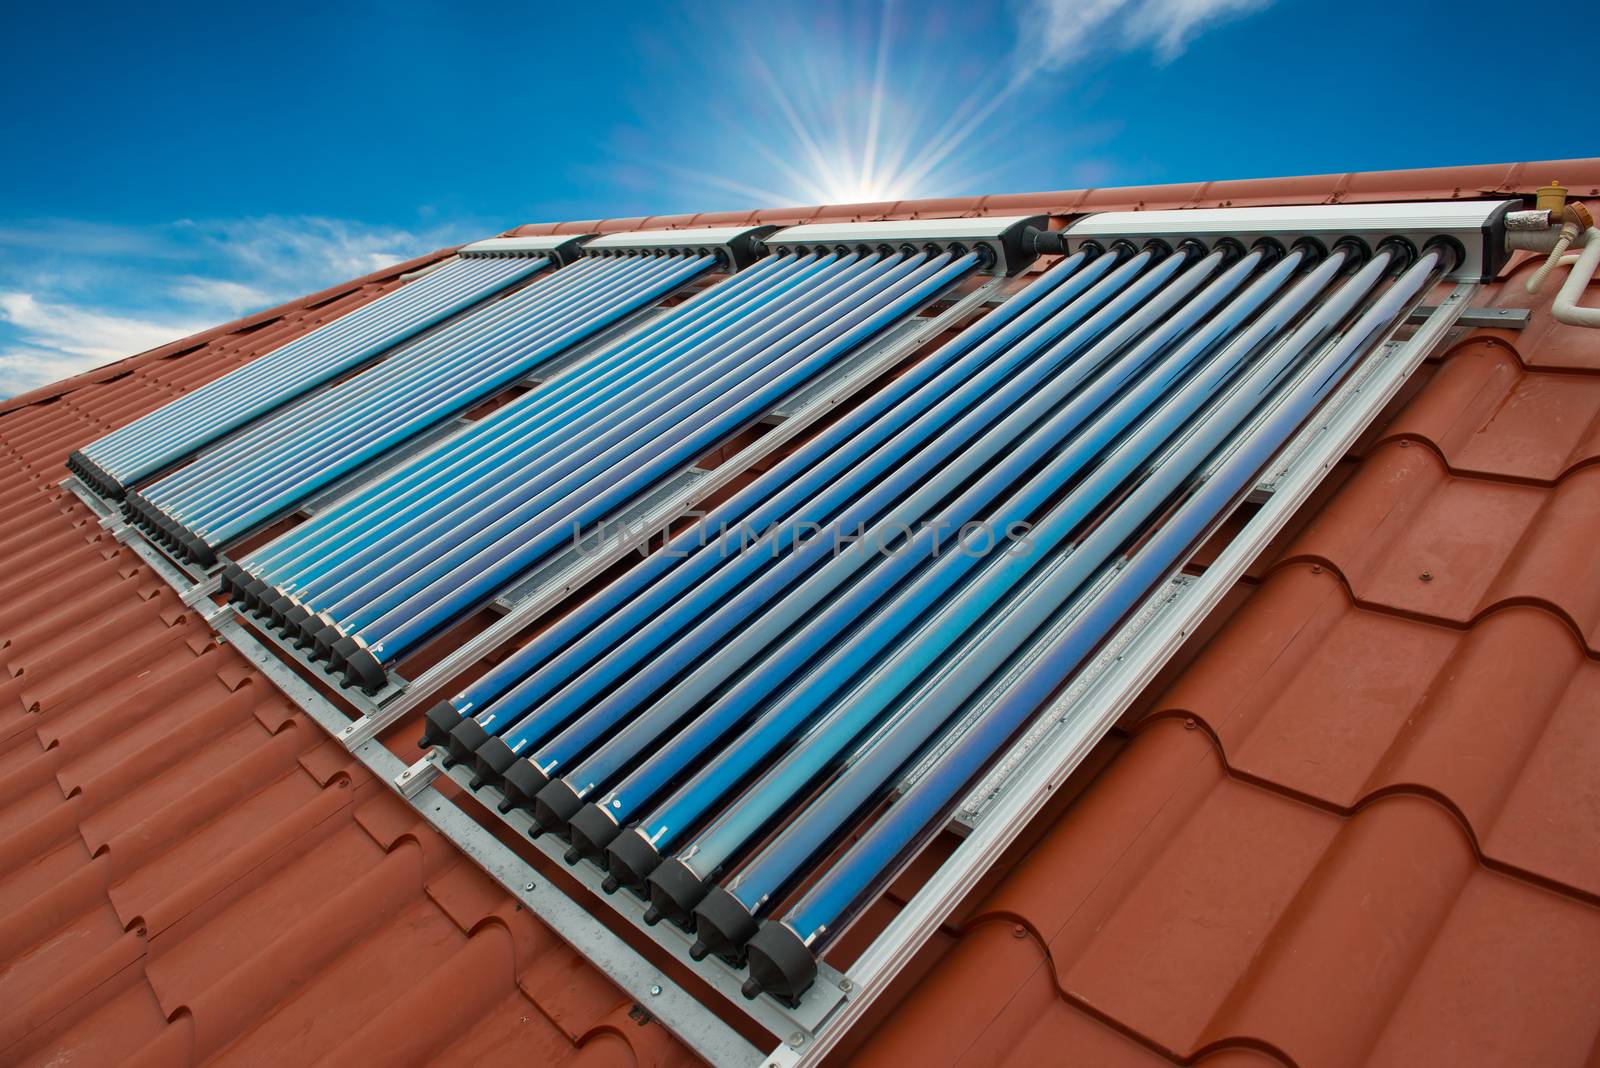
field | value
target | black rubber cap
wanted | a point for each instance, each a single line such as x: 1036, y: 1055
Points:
x: 340, y: 652
x: 555, y: 806
x: 198, y: 550
x: 166, y: 530
x: 310, y: 627
x: 465, y: 737
x: 232, y: 575
x: 723, y: 926
x: 278, y: 609
x: 675, y: 891
x: 98, y: 478
x: 780, y: 964
x: 630, y: 858
x: 362, y: 669
x: 292, y: 620
x: 522, y: 784
x: 326, y: 639
x: 93, y: 474
x: 254, y: 592
x: 590, y: 830
x: 494, y: 758
x: 437, y: 723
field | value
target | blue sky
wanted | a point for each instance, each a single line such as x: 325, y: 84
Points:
x: 169, y: 167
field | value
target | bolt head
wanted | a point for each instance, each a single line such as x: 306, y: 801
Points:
x: 528, y: 887
x: 655, y: 991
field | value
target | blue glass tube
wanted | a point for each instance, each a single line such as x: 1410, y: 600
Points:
x: 462, y: 512
x: 559, y: 285
x: 312, y: 551
x: 402, y: 415
x: 451, y: 594
x: 1142, y: 419
x: 353, y: 429
x: 585, y: 375
x: 708, y: 653
x: 188, y: 423
x: 302, y: 363
x: 713, y: 608
x: 600, y: 621
x: 839, y: 894
x: 1007, y: 632
x: 1024, y: 446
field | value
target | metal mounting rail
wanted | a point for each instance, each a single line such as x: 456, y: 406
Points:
x: 1065, y: 731
x: 194, y: 591
x: 695, y: 1025
x: 797, y: 1026
x: 877, y: 357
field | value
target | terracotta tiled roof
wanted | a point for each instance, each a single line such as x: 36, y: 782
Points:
x: 1357, y: 821
x: 190, y: 870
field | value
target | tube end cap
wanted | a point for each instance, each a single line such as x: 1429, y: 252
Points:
x: 590, y: 830
x: 437, y: 723
x: 198, y: 550
x: 555, y: 806
x: 780, y: 964
x: 362, y: 669
x: 630, y: 858
x: 494, y: 758
x: 522, y: 784
x: 674, y: 891
x: 278, y: 609
x: 250, y: 594
x: 292, y: 619
x: 724, y: 925
x: 341, y: 651
x: 465, y: 739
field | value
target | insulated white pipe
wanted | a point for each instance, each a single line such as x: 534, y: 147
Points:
x: 1566, y: 308
x: 1568, y: 234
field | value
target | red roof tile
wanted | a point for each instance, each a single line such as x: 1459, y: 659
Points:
x: 1359, y: 823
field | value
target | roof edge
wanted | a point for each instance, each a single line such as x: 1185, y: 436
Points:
x: 1425, y: 183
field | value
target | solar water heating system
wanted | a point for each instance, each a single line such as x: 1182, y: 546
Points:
x: 919, y: 613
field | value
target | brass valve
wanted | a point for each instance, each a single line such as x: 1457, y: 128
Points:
x: 1551, y: 198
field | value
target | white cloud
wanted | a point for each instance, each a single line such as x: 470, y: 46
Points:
x: 236, y: 297
x: 1056, y: 33
x: 79, y: 294
x: 291, y: 255
x: 58, y: 340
